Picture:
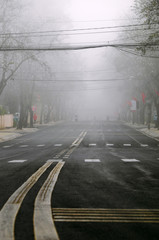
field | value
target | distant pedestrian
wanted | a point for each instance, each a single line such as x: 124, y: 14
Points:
x: 35, y: 117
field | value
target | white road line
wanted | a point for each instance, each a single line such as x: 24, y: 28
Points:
x: 41, y: 145
x: 7, y: 146
x: 127, y: 145
x: 144, y: 145
x: 10, y: 210
x: 23, y: 146
x: 57, y: 145
x: 92, y: 144
x: 44, y: 227
x: 130, y: 160
x: 17, y: 161
x: 92, y: 160
x: 109, y: 144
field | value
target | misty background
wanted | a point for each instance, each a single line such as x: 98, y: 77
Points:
x: 95, y: 83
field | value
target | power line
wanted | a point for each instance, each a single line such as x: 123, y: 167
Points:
x: 97, y: 20
x: 78, y: 29
x: 84, y: 71
x: 83, y: 33
x: 79, y: 90
x: 72, y: 48
x: 80, y: 81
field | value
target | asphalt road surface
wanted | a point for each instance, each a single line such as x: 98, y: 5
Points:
x: 80, y: 181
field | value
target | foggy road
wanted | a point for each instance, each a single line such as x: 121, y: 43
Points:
x: 80, y: 180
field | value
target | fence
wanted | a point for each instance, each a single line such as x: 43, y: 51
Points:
x: 6, y: 121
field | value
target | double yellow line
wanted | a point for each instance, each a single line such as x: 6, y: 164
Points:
x: 105, y: 215
x: 10, y: 210
x: 75, y: 144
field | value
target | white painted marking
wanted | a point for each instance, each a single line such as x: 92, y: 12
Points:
x: 54, y: 160
x: 92, y: 160
x: 17, y: 161
x: 109, y: 144
x: 130, y: 160
x: 58, y: 145
x: 157, y: 158
x: 41, y: 145
x: 144, y: 145
x: 127, y: 144
x: 7, y: 146
x: 92, y: 144
x: 23, y: 146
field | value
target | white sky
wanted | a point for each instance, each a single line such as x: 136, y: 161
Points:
x: 80, y: 10
x: 98, y: 9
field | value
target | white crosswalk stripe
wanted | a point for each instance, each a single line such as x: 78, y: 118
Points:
x: 17, y: 161
x: 92, y: 160
x: 130, y: 160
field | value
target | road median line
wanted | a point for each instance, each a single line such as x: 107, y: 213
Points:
x: 10, y: 210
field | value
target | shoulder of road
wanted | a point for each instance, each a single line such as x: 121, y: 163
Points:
x: 152, y: 132
x: 11, y: 133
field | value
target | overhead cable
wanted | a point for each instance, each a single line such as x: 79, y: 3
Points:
x: 78, y: 29
x: 74, y: 80
x: 72, y: 48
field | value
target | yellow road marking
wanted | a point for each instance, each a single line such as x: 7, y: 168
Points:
x: 75, y: 144
x: 79, y: 139
x: 10, y: 210
x: 44, y: 228
x: 105, y: 215
x: 60, y: 153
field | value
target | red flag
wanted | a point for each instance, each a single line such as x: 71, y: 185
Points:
x: 143, y: 97
x: 157, y: 92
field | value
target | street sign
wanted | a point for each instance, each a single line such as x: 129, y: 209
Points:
x: 133, y: 106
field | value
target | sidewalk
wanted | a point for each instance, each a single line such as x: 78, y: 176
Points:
x: 11, y: 133
x: 152, y: 132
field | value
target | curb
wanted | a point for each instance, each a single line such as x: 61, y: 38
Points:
x: 144, y: 131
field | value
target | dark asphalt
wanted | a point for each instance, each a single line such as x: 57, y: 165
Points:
x: 111, y: 185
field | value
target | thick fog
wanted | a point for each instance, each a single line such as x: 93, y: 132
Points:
x: 45, y: 66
